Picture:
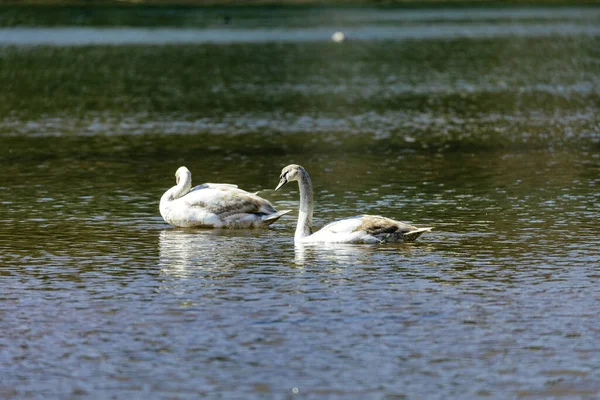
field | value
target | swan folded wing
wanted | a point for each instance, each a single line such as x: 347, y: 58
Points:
x: 214, y: 186
x: 227, y: 201
x: 370, y: 224
x: 347, y: 225
x: 377, y: 225
x: 387, y: 229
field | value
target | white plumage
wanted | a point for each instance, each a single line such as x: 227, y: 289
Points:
x: 359, y: 229
x: 214, y: 205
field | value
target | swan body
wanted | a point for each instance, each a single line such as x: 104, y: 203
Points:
x: 214, y: 205
x: 360, y: 229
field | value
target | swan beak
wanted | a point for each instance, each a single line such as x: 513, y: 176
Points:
x: 282, y: 182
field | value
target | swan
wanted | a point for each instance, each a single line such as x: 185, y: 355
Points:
x: 214, y: 205
x: 359, y: 229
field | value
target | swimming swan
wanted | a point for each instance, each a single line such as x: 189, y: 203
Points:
x: 214, y: 205
x: 360, y: 229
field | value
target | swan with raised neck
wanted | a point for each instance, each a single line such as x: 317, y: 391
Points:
x: 295, y: 172
x: 360, y: 229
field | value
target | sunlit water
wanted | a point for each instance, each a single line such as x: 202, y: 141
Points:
x: 101, y: 298
x: 303, y: 25
x: 87, y: 36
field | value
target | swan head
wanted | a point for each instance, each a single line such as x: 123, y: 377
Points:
x: 292, y: 172
x: 183, y: 174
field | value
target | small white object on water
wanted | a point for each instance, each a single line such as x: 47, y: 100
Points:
x: 338, y: 37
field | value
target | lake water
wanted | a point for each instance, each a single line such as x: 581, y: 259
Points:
x: 493, y: 141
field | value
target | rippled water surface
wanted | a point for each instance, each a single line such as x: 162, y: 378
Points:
x: 492, y: 141
x: 101, y: 296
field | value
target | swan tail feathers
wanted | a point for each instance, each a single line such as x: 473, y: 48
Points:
x: 269, y: 219
x: 414, y: 234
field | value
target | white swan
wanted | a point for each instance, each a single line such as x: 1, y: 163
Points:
x: 214, y: 205
x: 360, y: 229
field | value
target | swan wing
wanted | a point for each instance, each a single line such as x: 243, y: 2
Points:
x: 342, y: 231
x: 371, y: 224
x: 347, y: 225
x: 376, y: 225
x: 387, y: 229
x: 367, y: 229
x: 227, y: 200
x: 213, y: 186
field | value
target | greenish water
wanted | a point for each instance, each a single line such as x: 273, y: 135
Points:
x: 300, y: 16
x: 479, y: 93
x: 492, y: 140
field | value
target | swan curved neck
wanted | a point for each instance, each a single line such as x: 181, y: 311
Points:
x: 177, y: 191
x: 305, y: 214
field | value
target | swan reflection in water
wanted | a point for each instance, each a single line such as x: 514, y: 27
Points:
x: 222, y: 253
x: 342, y: 254
x: 184, y: 253
x: 337, y: 254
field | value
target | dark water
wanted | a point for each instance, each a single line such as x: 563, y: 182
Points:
x: 493, y: 141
